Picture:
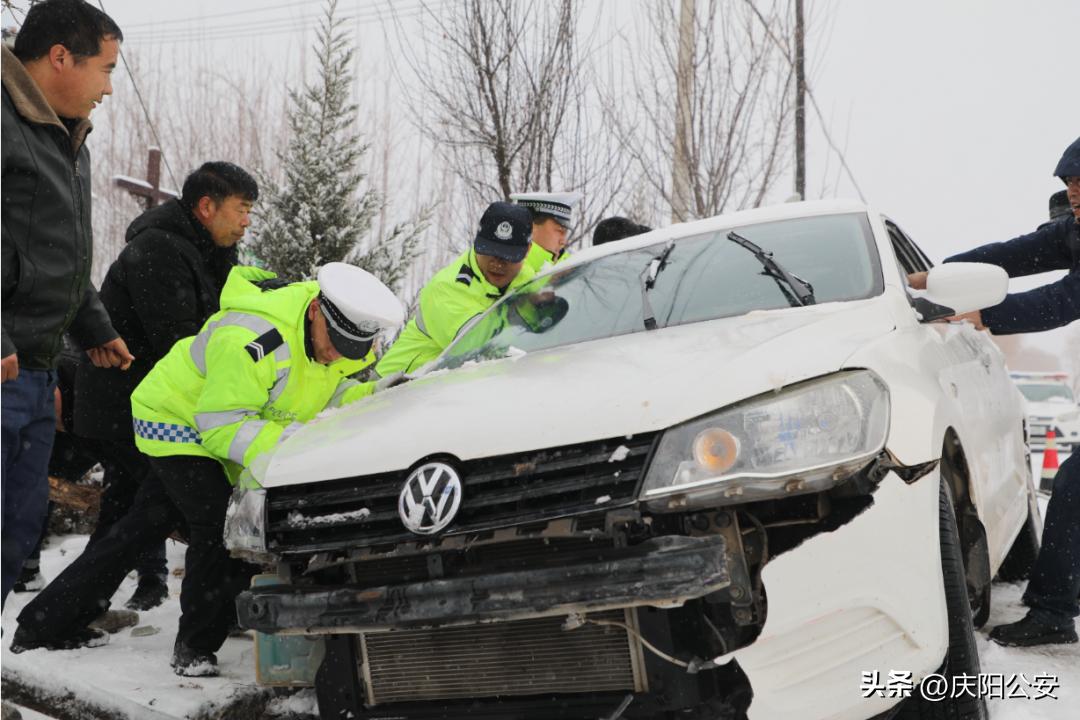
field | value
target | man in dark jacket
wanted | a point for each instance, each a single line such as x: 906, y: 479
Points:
x: 1053, y: 246
x: 59, y: 70
x: 1055, y: 578
x: 163, y: 286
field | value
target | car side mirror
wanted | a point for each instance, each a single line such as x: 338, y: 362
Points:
x: 957, y: 288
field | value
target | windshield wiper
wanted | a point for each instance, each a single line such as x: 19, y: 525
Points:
x: 648, y: 279
x: 802, y: 293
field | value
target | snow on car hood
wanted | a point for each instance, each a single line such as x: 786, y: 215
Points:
x: 635, y: 383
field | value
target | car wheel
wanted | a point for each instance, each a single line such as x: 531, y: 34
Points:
x: 962, y: 655
x: 1021, y: 556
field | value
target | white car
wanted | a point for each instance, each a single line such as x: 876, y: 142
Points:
x: 1050, y: 405
x: 727, y: 467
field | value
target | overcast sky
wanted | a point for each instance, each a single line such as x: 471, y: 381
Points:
x: 951, y: 113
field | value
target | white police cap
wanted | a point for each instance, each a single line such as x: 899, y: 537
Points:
x: 558, y: 205
x: 357, y: 305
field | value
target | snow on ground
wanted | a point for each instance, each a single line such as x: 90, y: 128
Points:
x: 131, y: 675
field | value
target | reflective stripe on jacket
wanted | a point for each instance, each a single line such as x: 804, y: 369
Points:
x: 244, y: 383
x: 455, y: 295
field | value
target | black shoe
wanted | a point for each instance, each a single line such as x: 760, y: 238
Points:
x: 151, y: 592
x: 1029, y: 631
x: 192, y: 663
x: 25, y: 639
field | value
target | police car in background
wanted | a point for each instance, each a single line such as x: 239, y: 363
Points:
x: 730, y: 467
x: 1051, y: 404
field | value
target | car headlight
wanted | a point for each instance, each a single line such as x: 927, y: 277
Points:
x: 804, y: 439
x: 245, y: 521
x: 1069, y: 417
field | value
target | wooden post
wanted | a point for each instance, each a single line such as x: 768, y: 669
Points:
x: 800, y: 104
x: 681, y: 206
x: 148, y: 192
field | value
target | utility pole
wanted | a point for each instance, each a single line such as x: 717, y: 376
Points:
x: 800, y: 104
x: 684, y: 89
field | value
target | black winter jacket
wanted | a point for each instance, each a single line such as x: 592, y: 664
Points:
x: 47, y: 241
x: 164, y: 285
x: 1054, y: 246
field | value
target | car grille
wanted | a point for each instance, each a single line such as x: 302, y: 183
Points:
x: 497, y: 492
x: 527, y: 657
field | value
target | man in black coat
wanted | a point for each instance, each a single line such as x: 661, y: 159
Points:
x: 58, y: 71
x: 163, y: 286
x: 1055, y: 578
x: 1053, y: 246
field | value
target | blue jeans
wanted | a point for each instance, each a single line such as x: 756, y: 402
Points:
x: 1055, y: 579
x: 28, y: 426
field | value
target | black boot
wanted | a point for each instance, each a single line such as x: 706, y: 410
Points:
x: 25, y: 639
x: 192, y: 663
x: 1029, y: 631
x: 151, y: 592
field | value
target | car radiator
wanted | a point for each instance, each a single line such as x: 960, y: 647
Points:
x: 510, y: 659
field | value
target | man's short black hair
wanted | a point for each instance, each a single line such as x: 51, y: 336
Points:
x: 218, y: 180
x: 616, y: 228
x: 76, y: 24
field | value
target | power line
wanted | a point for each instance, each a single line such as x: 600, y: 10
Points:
x: 268, y: 26
x: 146, y: 112
x: 253, y: 11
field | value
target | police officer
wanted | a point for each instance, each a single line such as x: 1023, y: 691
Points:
x: 263, y: 365
x: 466, y: 287
x: 616, y: 228
x: 552, y: 218
x: 1055, y: 578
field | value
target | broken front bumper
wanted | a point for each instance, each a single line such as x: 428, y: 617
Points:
x: 665, y: 571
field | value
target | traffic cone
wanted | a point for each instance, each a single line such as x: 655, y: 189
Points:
x: 1050, y: 462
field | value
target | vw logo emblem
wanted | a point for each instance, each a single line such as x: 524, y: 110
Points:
x: 430, y: 499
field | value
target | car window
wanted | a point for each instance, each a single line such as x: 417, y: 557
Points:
x: 908, y: 255
x: 1045, y: 392
x: 705, y: 277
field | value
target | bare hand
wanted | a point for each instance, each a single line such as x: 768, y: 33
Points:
x: 974, y: 317
x: 11, y: 367
x: 917, y: 281
x: 58, y: 409
x: 111, y: 354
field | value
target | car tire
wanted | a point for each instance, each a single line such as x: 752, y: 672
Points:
x: 1021, y: 556
x: 962, y: 655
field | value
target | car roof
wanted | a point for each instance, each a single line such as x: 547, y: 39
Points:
x: 785, y: 211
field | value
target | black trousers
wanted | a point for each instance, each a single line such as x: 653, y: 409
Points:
x: 1055, y: 579
x: 125, y: 468
x: 199, y: 490
x: 186, y: 493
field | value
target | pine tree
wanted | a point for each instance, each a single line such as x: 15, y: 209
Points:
x: 317, y: 212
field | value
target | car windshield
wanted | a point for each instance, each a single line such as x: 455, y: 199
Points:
x: 1046, y: 392
x: 696, y: 278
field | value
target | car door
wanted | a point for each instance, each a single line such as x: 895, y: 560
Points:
x: 975, y: 377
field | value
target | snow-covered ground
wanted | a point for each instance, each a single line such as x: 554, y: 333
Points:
x: 131, y: 678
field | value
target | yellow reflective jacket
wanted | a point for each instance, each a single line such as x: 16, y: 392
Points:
x: 245, y: 382
x: 455, y: 295
x: 540, y: 259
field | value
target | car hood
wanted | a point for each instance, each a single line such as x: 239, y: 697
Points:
x: 1049, y: 409
x: 641, y: 382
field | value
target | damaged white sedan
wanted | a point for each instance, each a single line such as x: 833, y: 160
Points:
x: 728, y: 468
